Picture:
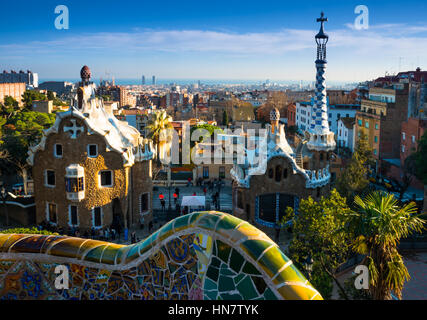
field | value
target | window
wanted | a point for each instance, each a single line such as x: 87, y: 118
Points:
x: 74, y: 184
x: 375, y: 139
x: 366, y: 124
x: 403, y: 149
x: 92, y: 150
x: 376, y: 126
x: 338, y: 116
x: 144, y: 202
x: 50, y: 178
x: 278, y: 173
x: 73, y: 217
x: 205, y: 172
x: 58, y: 150
x: 51, y: 213
x: 413, y: 139
x: 375, y: 151
x: 97, y: 217
x: 347, y: 115
x: 222, y: 172
x: 359, y: 122
x: 285, y: 173
x: 106, y: 178
x: 403, y: 136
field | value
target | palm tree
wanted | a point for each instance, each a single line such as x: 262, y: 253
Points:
x: 378, y: 225
x: 158, y: 124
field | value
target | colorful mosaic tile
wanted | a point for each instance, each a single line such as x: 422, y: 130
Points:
x: 216, y: 256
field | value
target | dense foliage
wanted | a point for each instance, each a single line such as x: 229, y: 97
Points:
x: 319, y: 233
x: 376, y: 228
x: 354, y: 178
x: 32, y: 230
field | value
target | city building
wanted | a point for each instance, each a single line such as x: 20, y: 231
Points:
x: 14, y: 90
x: 30, y: 79
x: 335, y: 112
x: 91, y: 170
x: 380, y: 120
x: 345, y: 138
x: 263, y: 189
x: 136, y: 118
x: 45, y: 106
x: 60, y: 87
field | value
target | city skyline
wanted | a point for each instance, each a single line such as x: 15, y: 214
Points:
x: 196, y: 41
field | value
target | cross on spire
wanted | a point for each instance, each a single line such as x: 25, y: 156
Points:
x: 322, y: 18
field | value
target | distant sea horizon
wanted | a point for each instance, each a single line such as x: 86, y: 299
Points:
x: 176, y: 81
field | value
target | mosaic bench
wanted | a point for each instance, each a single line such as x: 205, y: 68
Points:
x: 202, y: 255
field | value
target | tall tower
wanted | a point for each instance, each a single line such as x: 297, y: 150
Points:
x: 321, y: 138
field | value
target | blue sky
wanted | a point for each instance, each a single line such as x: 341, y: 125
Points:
x: 212, y: 39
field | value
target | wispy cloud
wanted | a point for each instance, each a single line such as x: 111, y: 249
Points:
x: 357, y: 46
x: 390, y: 36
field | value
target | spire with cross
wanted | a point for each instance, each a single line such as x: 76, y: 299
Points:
x: 321, y: 138
x: 321, y: 38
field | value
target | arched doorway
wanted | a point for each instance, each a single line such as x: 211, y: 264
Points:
x: 270, y: 208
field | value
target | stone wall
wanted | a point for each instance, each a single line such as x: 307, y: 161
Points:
x: 203, y: 255
x: 75, y: 152
x: 294, y: 184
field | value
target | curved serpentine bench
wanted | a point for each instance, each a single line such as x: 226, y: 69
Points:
x: 202, y: 255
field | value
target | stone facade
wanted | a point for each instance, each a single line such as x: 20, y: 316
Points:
x: 90, y: 170
x: 292, y: 183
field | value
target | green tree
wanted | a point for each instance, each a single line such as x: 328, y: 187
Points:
x: 408, y: 172
x: 376, y: 228
x: 225, y: 120
x: 354, y: 178
x: 20, y: 131
x: 319, y: 233
x: 10, y: 102
x: 158, y: 126
x: 32, y: 230
x: 420, y: 157
x: 29, y: 96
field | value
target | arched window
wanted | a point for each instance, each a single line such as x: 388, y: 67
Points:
x: 285, y: 173
x: 80, y: 98
x: 278, y: 173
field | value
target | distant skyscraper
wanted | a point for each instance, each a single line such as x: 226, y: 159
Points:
x: 154, y: 80
x: 143, y: 80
